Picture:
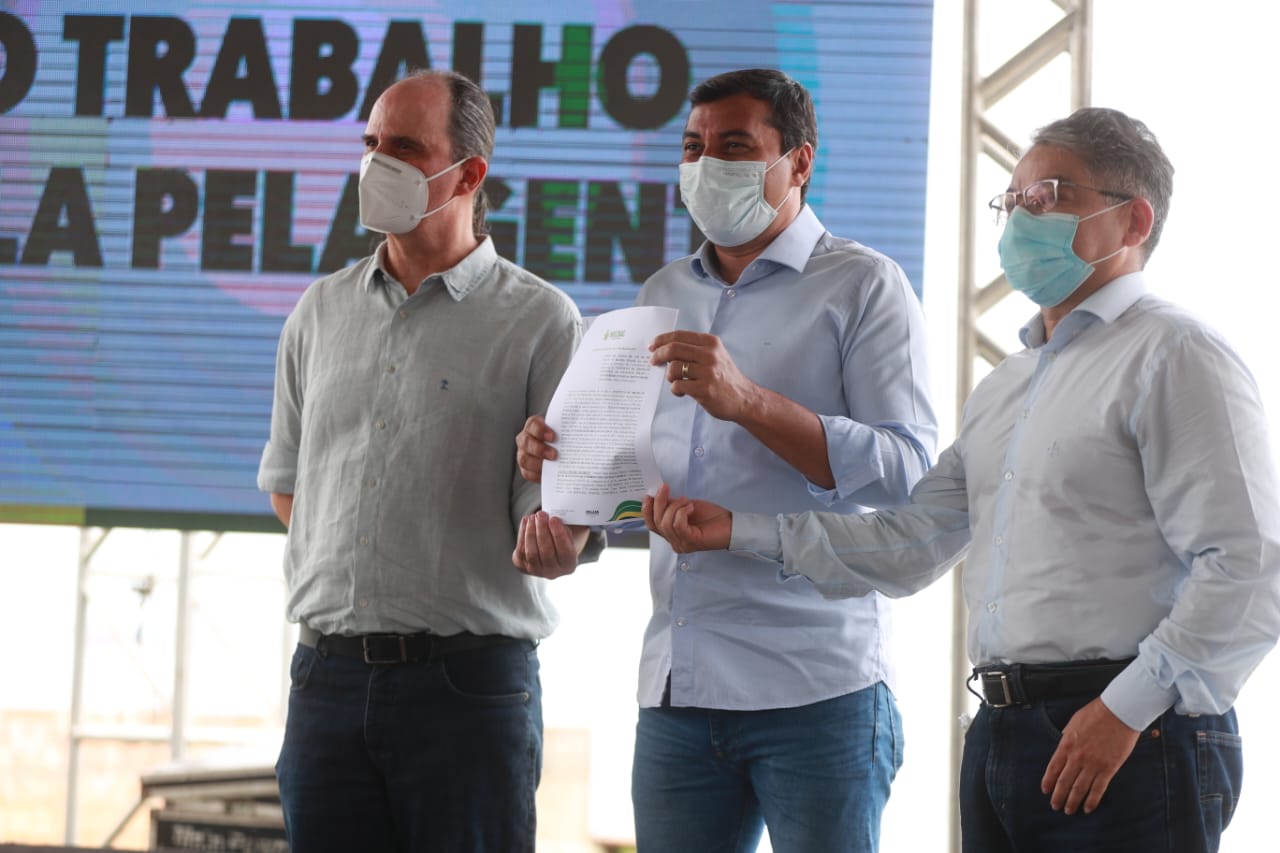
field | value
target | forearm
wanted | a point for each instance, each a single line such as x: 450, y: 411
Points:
x: 875, y: 465
x: 792, y: 432
x: 896, y: 552
x: 282, y: 505
x: 1196, y: 659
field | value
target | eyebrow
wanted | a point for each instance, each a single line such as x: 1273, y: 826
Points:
x: 1038, y: 180
x: 368, y: 138
x: 724, y: 134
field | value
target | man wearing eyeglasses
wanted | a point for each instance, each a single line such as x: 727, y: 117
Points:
x: 1115, y: 491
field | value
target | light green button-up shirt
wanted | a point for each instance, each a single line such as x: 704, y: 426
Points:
x: 393, y: 427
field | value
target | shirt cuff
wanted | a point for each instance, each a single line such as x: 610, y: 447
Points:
x: 854, y: 455
x: 597, y: 541
x: 1136, y: 698
x: 757, y: 535
x: 278, y: 470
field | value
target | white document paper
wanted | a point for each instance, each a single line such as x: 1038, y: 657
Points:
x: 602, y: 414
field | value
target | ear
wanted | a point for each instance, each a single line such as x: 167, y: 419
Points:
x: 803, y: 168
x: 1141, y: 217
x: 473, y: 174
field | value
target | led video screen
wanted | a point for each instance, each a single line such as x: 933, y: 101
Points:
x: 174, y: 174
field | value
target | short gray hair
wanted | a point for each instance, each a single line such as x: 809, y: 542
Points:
x: 471, y: 129
x: 1122, y: 153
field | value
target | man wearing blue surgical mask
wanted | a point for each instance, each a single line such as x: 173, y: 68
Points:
x: 1115, y: 490
x: 797, y: 380
x: 414, y: 720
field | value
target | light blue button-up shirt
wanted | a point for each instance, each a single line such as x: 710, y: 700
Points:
x: 1119, y: 489
x: 835, y: 327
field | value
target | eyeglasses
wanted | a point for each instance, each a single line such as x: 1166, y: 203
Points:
x: 1040, y: 197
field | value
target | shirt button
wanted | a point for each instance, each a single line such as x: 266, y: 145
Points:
x: 382, y: 424
x: 1051, y: 356
x: 1008, y: 475
x: 364, y: 540
x: 364, y: 602
x: 731, y: 293
x: 684, y: 567
x: 391, y: 369
x: 371, y: 482
x: 680, y: 622
x: 403, y: 314
x: 999, y: 540
x: 698, y: 451
x: 992, y: 607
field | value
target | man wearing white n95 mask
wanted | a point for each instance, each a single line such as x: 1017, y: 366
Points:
x: 797, y: 381
x: 1114, y: 486
x: 414, y: 721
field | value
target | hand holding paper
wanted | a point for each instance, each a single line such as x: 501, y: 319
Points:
x: 602, y: 415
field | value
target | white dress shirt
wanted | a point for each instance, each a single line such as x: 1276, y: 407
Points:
x: 1117, y: 493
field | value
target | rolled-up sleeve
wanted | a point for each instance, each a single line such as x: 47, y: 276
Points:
x: 886, y: 443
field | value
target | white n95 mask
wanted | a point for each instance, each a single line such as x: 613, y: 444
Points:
x: 394, y: 195
x: 726, y: 200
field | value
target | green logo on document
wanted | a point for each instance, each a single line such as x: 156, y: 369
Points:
x: 626, y: 510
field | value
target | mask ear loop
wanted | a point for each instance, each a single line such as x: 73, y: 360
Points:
x: 431, y: 178
x: 784, y: 156
x: 1099, y: 213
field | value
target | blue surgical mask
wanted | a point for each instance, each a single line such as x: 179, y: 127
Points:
x: 1038, y: 259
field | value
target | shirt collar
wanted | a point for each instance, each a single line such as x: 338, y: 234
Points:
x: 1106, y: 304
x: 459, y: 280
x: 791, y: 248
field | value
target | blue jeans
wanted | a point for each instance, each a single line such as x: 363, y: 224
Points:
x: 1174, y: 794
x: 441, y: 756
x: 705, y: 781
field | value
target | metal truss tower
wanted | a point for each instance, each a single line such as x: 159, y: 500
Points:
x: 987, y: 141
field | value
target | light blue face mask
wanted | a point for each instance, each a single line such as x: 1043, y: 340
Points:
x: 1037, y: 257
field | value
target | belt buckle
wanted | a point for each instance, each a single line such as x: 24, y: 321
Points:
x: 1002, y: 678
x: 378, y: 638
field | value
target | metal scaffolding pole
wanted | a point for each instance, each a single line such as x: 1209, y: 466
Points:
x: 981, y: 137
x: 88, y: 547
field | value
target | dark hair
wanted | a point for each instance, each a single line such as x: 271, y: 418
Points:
x: 791, y: 107
x: 471, y: 129
x: 1120, y: 152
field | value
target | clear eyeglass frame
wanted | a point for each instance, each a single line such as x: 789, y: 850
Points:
x: 1039, y: 197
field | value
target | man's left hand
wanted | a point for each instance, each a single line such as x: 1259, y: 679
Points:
x: 1093, y: 747
x: 547, y: 547
x: 699, y: 366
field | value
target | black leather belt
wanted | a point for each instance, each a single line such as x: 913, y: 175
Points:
x: 1004, y: 686
x: 398, y: 648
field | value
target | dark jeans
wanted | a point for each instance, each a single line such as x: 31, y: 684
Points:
x: 442, y: 756
x: 706, y: 781
x: 1174, y: 794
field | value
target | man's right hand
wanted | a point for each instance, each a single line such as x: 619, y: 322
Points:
x: 688, y: 525
x: 533, y: 445
x: 546, y: 547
